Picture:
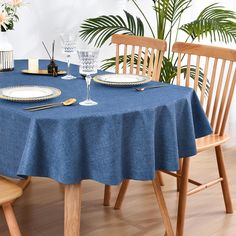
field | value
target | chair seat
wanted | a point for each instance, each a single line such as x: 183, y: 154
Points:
x: 210, y: 141
x: 8, y: 191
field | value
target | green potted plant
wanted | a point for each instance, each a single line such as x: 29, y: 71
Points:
x: 214, y: 22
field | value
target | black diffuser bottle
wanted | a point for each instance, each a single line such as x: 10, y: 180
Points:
x: 52, y: 66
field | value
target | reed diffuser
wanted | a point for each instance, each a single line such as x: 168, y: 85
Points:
x: 52, y: 66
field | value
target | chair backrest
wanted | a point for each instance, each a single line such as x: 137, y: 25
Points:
x: 141, y: 55
x: 214, y: 78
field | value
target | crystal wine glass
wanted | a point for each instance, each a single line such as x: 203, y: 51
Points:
x: 88, y: 65
x: 68, y: 42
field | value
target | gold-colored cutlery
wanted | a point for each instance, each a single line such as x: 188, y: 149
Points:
x: 67, y: 102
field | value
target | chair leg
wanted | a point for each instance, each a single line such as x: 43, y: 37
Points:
x: 224, y: 182
x: 160, y: 177
x: 11, y: 220
x: 179, y: 173
x: 182, y: 197
x: 121, y: 194
x: 162, y: 206
x: 107, y: 195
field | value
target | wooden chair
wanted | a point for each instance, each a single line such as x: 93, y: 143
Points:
x: 8, y: 193
x: 22, y: 183
x: 137, y: 55
x: 148, y: 54
x: 216, y: 93
x: 140, y: 56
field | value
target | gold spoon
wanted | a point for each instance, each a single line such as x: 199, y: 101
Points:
x: 67, y: 102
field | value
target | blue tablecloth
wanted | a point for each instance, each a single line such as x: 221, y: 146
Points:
x: 128, y: 135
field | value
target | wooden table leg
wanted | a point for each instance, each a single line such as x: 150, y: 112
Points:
x: 72, y: 207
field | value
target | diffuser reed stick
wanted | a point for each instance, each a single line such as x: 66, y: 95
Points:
x: 46, y: 50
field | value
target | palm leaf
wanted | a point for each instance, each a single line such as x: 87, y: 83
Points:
x: 168, y: 71
x: 193, y: 75
x: 161, y: 9
x: 110, y: 63
x: 173, y: 9
x: 102, y: 28
x: 214, y: 21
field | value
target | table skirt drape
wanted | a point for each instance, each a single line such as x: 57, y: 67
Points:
x: 128, y: 135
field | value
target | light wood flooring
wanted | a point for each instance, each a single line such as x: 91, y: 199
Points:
x: 40, y: 211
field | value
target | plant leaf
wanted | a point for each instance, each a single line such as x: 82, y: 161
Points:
x: 173, y: 9
x: 214, y: 21
x: 101, y: 28
x: 168, y: 71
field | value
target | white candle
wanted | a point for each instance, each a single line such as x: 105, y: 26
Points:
x: 33, y: 64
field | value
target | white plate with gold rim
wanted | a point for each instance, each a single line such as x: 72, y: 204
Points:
x: 29, y: 93
x: 121, y: 79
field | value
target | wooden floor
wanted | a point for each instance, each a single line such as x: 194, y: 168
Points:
x: 40, y: 210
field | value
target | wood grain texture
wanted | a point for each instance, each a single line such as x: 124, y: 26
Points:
x: 121, y: 195
x: 182, y: 197
x: 221, y: 84
x: 11, y: 220
x: 162, y: 206
x: 72, y: 208
x: 202, y: 50
x: 107, y: 195
x: 224, y: 183
x: 210, y: 141
x: 217, y: 76
x: 147, y: 64
x: 139, y: 41
x: 9, y: 192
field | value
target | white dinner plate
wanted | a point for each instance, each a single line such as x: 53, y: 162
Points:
x: 29, y: 93
x: 121, y: 79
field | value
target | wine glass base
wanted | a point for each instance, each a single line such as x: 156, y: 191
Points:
x: 68, y: 77
x: 88, y: 103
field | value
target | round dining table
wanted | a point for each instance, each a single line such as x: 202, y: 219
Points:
x: 128, y: 135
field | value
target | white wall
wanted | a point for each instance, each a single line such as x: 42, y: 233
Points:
x: 46, y: 19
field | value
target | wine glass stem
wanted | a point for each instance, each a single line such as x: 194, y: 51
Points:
x: 88, y: 82
x: 68, y: 64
